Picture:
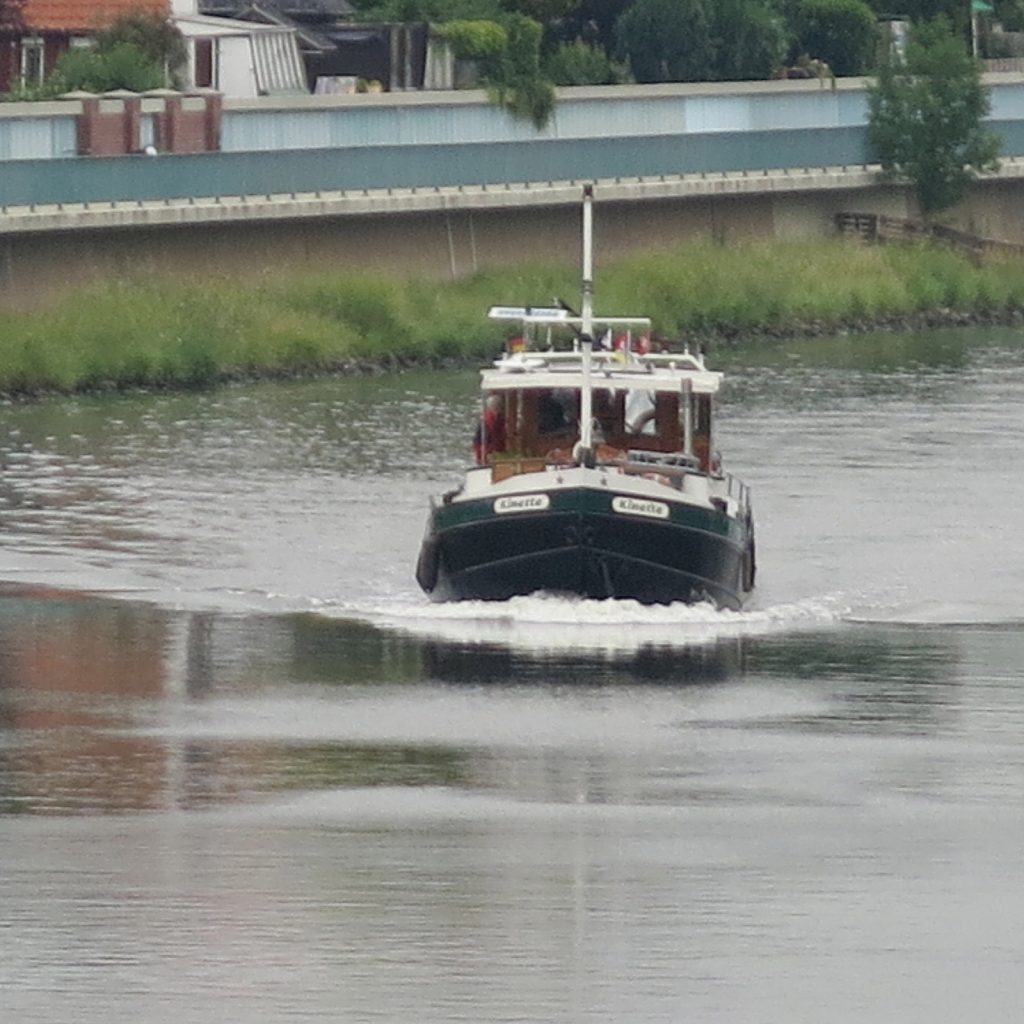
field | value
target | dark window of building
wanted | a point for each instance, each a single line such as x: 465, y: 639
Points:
x: 205, y: 78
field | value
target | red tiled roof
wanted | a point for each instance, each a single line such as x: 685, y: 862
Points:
x: 84, y: 15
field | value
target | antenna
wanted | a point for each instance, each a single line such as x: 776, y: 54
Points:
x: 587, y: 312
x: 586, y: 339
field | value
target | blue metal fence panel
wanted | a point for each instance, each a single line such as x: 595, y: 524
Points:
x: 229, y: 174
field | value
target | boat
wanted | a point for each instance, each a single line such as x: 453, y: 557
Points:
x: 596, y: 472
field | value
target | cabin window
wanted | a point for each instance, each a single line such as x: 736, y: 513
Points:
x: 557, y: 411
x: 702, y: 430
x: 652, y: 421
x: 542, y: 419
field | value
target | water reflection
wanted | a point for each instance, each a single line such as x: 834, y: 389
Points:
x: 115, y: 706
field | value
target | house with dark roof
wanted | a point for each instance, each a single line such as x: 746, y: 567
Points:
x: 238, y: 58
x: 337, y: 49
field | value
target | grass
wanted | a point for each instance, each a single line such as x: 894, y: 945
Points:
x: 171, y: 333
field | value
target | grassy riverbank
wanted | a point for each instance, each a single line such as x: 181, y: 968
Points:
x: 177, y: 334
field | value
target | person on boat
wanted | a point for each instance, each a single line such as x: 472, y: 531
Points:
x: 490, y: 431
x: 556, y: 411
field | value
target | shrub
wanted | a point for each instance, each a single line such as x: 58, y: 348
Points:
x: 579, y: 63
x: 842, y: 33
x: 666, y: 41
x: 159, y: 39
x: 750, y: 40
x: 123, y: 66
x: 473, y: 40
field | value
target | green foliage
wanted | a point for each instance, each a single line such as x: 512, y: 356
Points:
x: 509, y: 59
x: 843, y: 33
x: 523, y: 54
x: 529, y: 98
x: 475, y: 39
x: 182, y: 334
x: 580, y: 63
x: 156, y: 37
x: 956, y: 12
x: 513, y: 77
x: 20, y: 93
x: 925, y: 118
x: 135, y: 52
x: 541, y: 11
x: 593, y: 21
x: 750, y: 39
x: 437, y: 12
x: 1010, y: 14
x: 666, y: 41
x: 121, y: 66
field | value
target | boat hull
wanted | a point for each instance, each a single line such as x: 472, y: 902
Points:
x: 582, y: 544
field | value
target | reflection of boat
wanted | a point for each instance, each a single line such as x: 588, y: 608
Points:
x: 599, y: 476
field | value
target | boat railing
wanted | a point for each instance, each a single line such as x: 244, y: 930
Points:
x: 738, y: 490
x: 672, y: 467
x: 679, y: 459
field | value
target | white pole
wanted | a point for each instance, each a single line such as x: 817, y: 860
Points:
x: 586, y: 316
x: 687, y: 399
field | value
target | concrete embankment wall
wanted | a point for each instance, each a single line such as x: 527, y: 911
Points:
x: 444, y: 184
x: 449, y: 233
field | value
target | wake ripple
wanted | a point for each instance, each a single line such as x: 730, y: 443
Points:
x: 554, y: 623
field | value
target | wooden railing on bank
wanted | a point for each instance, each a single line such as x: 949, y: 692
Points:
x: 876, y: 227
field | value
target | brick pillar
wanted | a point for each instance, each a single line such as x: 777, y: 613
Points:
x: 172, y: 124
x: 214, y: 115
x: 132, y: 124
x: 87, y: 125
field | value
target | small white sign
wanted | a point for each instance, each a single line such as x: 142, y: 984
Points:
x: 522, y: 503
x: 640, y: 507
x: 541, y: 313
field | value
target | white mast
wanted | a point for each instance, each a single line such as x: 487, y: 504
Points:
x: 587, y: 325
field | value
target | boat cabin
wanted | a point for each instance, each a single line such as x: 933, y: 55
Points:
x: 644, y: 406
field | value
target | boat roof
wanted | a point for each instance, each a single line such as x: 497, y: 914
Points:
x: 627, y: 368
x: 626, y: 371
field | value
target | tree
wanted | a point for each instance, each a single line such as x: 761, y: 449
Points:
x: 541, y: 11
x: 843, y: 33
x: 120, y: 66
x: 593, y: 21
x: 580, y: 63
x: 925, y: 118
x: 514, y: 77
x: 957, y: 12
x: 666, y: 41
x: 750, y: 39
x: 155, y: 36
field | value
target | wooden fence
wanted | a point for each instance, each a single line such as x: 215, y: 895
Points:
x: 876, y: 227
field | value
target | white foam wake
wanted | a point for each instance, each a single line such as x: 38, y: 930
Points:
x: 547, y: 622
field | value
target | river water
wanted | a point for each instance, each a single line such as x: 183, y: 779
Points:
x: 248, y: 773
